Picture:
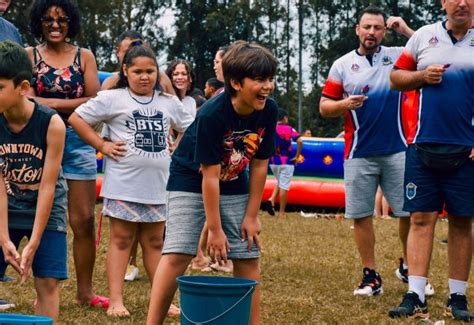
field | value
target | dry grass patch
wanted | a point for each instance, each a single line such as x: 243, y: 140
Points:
x: 309, y: 267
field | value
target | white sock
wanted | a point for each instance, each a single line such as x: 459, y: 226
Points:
x: 405, y: 266
x: 457, y: 286
x: 417, y: 285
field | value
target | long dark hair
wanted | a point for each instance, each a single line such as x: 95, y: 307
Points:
x: 135, y: 51
x: 189, y: 70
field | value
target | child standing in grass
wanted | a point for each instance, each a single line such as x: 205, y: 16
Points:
x: 138, y: 119
x: 209, y: 182
x: 31, y: 147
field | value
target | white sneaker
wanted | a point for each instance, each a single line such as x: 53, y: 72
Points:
x: 4, y: 305
x: 429, y: 290
x: 132, y: 273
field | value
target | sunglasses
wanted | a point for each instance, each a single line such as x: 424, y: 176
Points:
x: 61, y: 21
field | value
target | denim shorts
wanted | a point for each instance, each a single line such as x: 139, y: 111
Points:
x: 283, y: 174
x: 427, y: 190
x: 50, y: 260
x: 362, y: 176
x: 186, y: 219
x: 79, y: 158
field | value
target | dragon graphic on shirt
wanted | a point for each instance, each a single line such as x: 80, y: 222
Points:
x: 239, y: 149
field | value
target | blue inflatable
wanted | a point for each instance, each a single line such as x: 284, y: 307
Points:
x: 103, y: 75
x: 323, y: 157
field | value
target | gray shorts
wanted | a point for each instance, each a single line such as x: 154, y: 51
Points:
x: 186, y: 218
x: 283, y: 174
x: 362, y: 177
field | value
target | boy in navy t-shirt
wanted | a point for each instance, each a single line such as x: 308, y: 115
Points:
x: 31, y: 146
x: 209, y: 179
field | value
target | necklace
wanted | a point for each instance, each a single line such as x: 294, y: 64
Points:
x: 139, y: 102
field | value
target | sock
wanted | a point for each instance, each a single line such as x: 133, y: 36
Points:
x: 457, y: 286
x: 417, y: 285
x: 405, y: 267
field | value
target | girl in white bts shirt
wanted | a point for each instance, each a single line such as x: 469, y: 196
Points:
x: 138, y: 118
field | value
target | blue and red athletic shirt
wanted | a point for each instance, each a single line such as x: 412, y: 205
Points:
x: 374, y: 129
x: 284, y: 152
x: 441, y: 113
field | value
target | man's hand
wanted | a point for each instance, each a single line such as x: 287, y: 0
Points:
x: 251, y: 228
x: 217, y: 246
x: 472, y: 154
x: 398, y: 25
x: 354, y: 101
x: 433, y: 74
x: 114, y: 150
x: 11, y: 255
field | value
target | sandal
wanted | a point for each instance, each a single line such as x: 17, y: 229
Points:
x: 268, y: 206
x: 99, y: 301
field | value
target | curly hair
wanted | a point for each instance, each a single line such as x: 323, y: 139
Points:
x: 39, y: 9
x: 189, y: 70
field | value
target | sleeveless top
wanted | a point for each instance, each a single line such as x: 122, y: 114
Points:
x: 65, y: 83
x: 22, y: 157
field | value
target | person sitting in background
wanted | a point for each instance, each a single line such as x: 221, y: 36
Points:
x: 283, y: 162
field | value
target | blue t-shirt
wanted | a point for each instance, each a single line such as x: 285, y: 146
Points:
x: 8, y: 31
x: 220, y: 136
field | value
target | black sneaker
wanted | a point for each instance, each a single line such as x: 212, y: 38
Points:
x: 401, y: 272
x: 411, y: 307
x: 371, y: 284
x: 268, y: 206
x: 456, y: 308
x: 4, y: 305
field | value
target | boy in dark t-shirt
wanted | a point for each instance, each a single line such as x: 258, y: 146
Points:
x: 209, y: 180
x: 31, y: 145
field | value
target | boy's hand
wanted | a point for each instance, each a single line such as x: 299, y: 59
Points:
x: 114, y: 150
x: 217, y: 246
x: 11, y: 255
x: 251, y: 231
x: 26, y: 260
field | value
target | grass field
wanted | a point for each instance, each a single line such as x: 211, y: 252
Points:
x: 310, y: 267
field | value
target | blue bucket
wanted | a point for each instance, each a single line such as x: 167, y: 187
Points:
x: 215, y: 299
x: 7, y: 319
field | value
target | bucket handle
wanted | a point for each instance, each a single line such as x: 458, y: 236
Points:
x: 221, y: 314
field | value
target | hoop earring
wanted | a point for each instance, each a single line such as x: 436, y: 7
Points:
x: 68, y: 40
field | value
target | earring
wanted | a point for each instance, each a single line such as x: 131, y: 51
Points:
x: 68, y: 40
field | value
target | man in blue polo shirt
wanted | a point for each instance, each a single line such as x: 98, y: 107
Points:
x: 8, y: 31
x: 437, y: 63
x: 358, y: 89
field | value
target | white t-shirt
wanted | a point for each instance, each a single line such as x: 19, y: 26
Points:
x: 190, y: 105
x: 143, y: 122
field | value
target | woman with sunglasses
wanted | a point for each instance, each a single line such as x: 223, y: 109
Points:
x: 64, y: 77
